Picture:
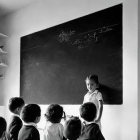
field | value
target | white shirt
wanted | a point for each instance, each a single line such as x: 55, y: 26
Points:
x: 53, y: 131
x: 93, y: 97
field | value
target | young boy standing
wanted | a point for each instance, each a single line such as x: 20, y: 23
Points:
x: 90, y: 130
x: 15, y: 106
x: 30, y: 115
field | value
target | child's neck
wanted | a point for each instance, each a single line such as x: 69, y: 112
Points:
x: 92, y: 91
x: 86, y: 122
x: 16, y: 114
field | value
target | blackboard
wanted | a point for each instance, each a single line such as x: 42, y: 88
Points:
x: 56, y: 61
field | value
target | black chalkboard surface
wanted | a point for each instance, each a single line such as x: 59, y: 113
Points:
x: 56, y: 61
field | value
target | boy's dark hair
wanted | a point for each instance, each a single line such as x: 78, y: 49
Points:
x: 54, y: 113
x: 72, y: 128
x: 15, y: 102
x: 30, y: 112
x: 3, y: 125
x: 88, y: 111
x: 94, y: 78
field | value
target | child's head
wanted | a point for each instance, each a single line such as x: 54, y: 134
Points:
x: 31, y: 113
x: 72, y: 128
x: 3, y: 126
x: 54, y: 113
x: 92, y: 82
x: 88, y: 111
x: 16, y: 104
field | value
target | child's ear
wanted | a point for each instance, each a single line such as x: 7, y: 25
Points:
x: 16, y: 111
x: 19, y: 110
x: 37, y: 119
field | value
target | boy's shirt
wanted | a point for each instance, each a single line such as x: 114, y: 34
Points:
x: 53, y: 131
x: 14, y: 127
x: 93, y: 97
x: 29, y: 131
x: 91, y: 131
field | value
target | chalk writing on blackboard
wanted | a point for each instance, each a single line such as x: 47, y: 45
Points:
x: 65, y: 36
x: 82, y: 40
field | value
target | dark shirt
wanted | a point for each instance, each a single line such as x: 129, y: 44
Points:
x: 28, y: 132
x: 91, y: 132
x: 14, y: 127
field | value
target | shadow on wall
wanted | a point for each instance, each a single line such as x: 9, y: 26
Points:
x: 111, y: 95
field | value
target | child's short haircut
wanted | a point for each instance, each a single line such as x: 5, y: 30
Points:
x: 30, y: 112
x: 93, y: 78
x: 15, y: 102
x: 54, y: 113
x: 3, y: 126
x: 72, y: 128
x: 88, y: 111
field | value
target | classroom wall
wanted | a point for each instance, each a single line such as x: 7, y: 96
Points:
x: 118, y: 121
x: 138, y: 70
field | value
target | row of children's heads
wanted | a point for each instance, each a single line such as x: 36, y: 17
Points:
x: 28, y: 113
x: 54, y: 112
x: 32, y: 112
x: 72, y: 127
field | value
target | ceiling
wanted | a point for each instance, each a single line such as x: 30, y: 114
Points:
x: 8, y: 6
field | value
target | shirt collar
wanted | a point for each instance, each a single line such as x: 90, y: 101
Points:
x: 30, y: 124
x: 95, y: 91
x: 15, y: 115
x: 87, y: 123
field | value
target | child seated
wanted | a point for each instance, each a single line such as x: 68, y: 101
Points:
x: 15, y: 106
x: 53, y: 129
x: 72, y: 128
x: 30, y: 115
x: 3, y: 126
x: 90, y: 130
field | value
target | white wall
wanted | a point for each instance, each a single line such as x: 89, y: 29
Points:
x: 119, y: 121
x: 138, y: 70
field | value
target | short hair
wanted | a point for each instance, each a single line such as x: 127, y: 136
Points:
x: 72, y: 128
x: 88, y: 111
x: 3, y: 126
x: 15, y: 102
x: 93, y: 78
x: 30, y: 112
x: 54, y: 113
